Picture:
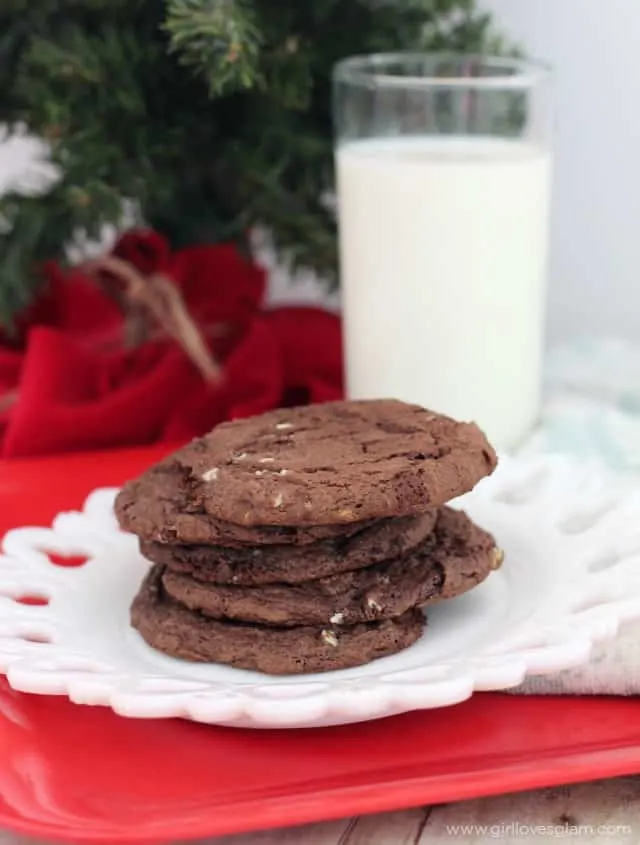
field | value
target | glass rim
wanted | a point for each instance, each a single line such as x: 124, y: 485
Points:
x: 368, y: 70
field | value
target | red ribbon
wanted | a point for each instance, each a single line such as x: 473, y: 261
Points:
x: 68, y: 382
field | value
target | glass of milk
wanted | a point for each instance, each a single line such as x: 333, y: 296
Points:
x: 443, y: 175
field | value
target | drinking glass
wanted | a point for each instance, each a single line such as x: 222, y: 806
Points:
x: 443, y: 183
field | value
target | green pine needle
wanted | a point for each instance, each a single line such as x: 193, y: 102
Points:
x: 217, y: 38
x: 207, y: 116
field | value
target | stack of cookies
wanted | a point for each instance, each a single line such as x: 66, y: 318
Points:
x: 307, y: 539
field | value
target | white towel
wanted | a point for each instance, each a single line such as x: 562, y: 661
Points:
x: 593, y: 410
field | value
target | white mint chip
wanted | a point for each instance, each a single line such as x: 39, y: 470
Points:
x: 337, y: 619
x: 266, y: 460
x: 283, y: 426
x: 279, y: 499
x: 373, y: 605
x: 210, y: 474
x: 329, y: 638
x: 284, y: 472
x: 239, y: 457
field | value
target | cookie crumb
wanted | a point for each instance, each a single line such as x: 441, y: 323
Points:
x: 346, y: 514
x: 260, y: 473
x: 210, y: 474
x: 283, y: 426
x: 239, y: 456
x: 498, y: 558
x: 277, y: 502
x: 329, y: 638
x: 373, y: 605
x: 337, y: 619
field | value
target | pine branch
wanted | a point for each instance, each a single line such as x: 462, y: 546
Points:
x: 211, y: 116
x: 219, y: 39
x: 36, y: 229
x: 70, y: 9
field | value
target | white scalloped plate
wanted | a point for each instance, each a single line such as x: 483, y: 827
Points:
x: 571, y: 575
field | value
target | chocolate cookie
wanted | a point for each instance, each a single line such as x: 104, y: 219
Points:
x: 158, y: 507
x: 318, y: 466
x: 382, y: 540
x: 172, y: 629
x: 457, y: 556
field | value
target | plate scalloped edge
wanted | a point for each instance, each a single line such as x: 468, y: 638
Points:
x: 590, y: 525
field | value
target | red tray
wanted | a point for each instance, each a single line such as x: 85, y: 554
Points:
x: 84, y: 774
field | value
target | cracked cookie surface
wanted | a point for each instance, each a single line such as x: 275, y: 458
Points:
x: 158, y: 508
x: 264, y: 564
x: 174, y: 630
x: 455, y: 557
x: 313, y: 469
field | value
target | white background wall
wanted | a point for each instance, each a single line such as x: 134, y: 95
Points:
x: 594, y: 46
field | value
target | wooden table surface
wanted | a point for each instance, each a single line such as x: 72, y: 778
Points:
x: 604, y: 812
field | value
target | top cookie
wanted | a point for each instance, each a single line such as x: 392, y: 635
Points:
x: 332, y: 464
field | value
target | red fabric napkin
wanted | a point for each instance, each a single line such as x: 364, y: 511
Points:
x: 67, y: 383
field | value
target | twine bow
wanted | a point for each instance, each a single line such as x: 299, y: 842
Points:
x: 155, y: 296
x: 144, y: 300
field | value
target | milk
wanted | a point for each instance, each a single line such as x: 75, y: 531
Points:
x: 443, y: 263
